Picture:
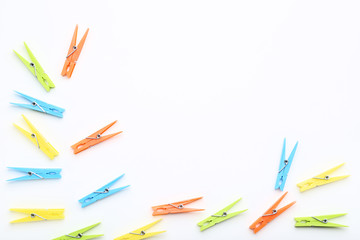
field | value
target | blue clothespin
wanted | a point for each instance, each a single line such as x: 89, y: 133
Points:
x: 284, y: 167
x: 37, y: 173
x: 101, y: 193
x: 40, y: 106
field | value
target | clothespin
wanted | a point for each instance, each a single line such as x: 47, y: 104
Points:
x: 36, y: 69
x: 35, y: 215
x: 219, y: 217
x: 270, y: 215
x: 321, y: 179
x: 93, y: 139
x: 284, y: 167
x: 176, y: 207
x: 36, y: 138
x: 79, y: 234
x: 40, y: 106
x: 140, y: 233
x: 37, y: 173
x: 318, y: 221
x: 73, y: 54
x: 101, y: 193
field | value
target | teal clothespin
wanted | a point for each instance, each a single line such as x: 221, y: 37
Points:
x: 318, y: 221
x: 219, y: 217
x: 36, y: 69
x: 79, y: 234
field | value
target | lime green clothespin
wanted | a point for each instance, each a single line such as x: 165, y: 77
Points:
x: 80, y: 234
x: 36, y: 69
x: 318, y: 221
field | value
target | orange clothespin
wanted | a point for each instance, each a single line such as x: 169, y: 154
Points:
x: 176, y: 207
x: 270, y: 215
x: 93, y: 139
x: 73, y: 54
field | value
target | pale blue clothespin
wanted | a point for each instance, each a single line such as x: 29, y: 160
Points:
x: 284, y: 167
x: 40, y: 106
x: 37, y: 173
x: 101, y: 193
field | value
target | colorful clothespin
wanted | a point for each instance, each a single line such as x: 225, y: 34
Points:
x: 73, y: 54
x: 176, y: 207
x: 318, y: 221
x: 79, y: 234
x: 38, y: 139
x: 219, y: 217
x: 270, y: 215
x: 40, y: 106
x: 284, y: 167
x: 321, y: 179
x: 35, y: 215
x: 37, y: 173
x: 140, y: 233
x: 101, y: 193
x: 36, y: 69
x: 93, y: 139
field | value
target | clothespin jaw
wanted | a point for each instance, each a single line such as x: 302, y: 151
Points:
x: 140, y: 233
x: 79, y: 234
x: 37, y: 139
x: 37, y: 173
x: 73, y: 54
x: 176, y: 207
x: 36, y: 69
x: 270, y: 214
x: 318, y: 221
x: 35, y: 215
x: 284, y: 167
x: 94, y: 139
x: 321, y: 179
x: 219, y: 217
x: 101, y: 193
x: 40, y: 106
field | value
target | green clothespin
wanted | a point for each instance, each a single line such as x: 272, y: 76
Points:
x: 219, y: 217
x: 36, y: 69
x: 318, y: 221
x: 79, y: 234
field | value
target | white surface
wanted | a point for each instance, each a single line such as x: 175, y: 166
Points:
x: 205, y: 92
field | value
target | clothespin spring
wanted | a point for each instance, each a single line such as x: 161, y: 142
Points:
x: 36, y: 104
x: 35, y: 215
x: 33, y: 65
x: 181, y: 206
x: 74, y: 47
x: 325, y: 178
x: 32, y: 173
x: 273, y: 213
x: 223, y: 215
x: 97, y: 137
x: 142, y: 233
x: 286, y: 163
x: 34, y: 136
x: 323, y: 221
x: 77, y: 236
x: 105, y: 191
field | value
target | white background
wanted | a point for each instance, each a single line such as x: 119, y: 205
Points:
x: 205, y: 92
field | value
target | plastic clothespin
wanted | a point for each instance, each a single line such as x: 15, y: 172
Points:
x: 284, y: 167
x: 35, y: 215
x: 73, y: 54
x: 101, y: 193
x: 176, y: 207
x: 93, y: 139
x: 270, y: 214
x: 38, y: 139
x: 318, y: 221
x: 321, y: 179
x: 40, y: 106
x: 219, y: 217
x: 37, y: 173
x: 79, y: 234
x: 36, y: 69
x: 140, y: 233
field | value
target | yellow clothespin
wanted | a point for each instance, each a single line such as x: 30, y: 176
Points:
x: 321, y: 179
x: 140, y: 233
x: 35, y: 215
x: 38, y: 139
